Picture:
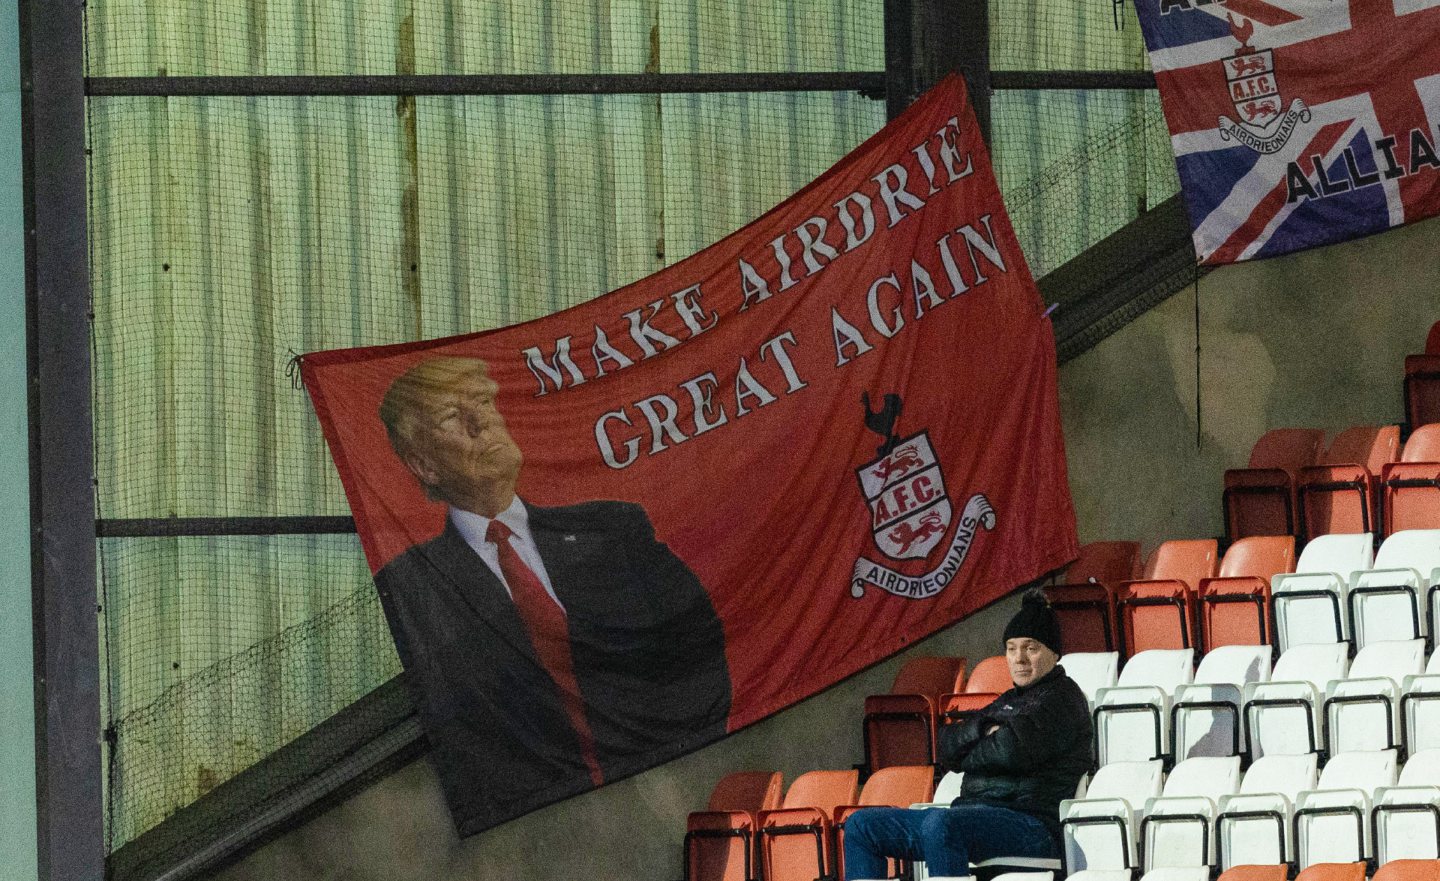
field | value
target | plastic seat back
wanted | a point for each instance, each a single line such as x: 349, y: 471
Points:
x: 1412, y: 485
x: 1132, y: 719
x: 949, y: 788
x: 1341, y: 493
x: 1084, y: 601
x: 1098, y: 831
x: 720, y: 842
x: 1175, y: 830
x: 899, y: 727
x: 1333, y: 872
x: 1256, y: 873
x: 1432, y: 340
x: 1282, y: 716
x: 796, y: 843
x: 1104, y: 562
x: 899, y: 787
x: 1362, y: 710
x: 1158, y: 611
x: 930, y: 676
x: 1205, y: 719
x: 1260, y: 499
x: 1092, y: 671
x: 1310, y: 605
x: 1235, y: 606
x: 1254, y: 825
x: 1406, y: 817
x: 746, y: 791
x: 1331, y: 822
x: 990, y: 676
x: 1408, y: 870
x: 825, y: 790
x: 1388, y: 601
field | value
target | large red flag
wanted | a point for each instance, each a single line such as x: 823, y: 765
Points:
x: 744, y: 478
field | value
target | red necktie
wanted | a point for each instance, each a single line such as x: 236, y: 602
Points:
x: 550, y: 635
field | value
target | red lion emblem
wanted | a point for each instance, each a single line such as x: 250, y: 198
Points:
x: 1255, y: 110
x: 1247, y: 65
x: 905, y: 535
x: 898, y: 464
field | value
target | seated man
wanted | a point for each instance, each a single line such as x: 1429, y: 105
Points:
x: 1021, y: 755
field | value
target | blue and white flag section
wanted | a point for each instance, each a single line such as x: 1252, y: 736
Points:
x: 1298, y: 123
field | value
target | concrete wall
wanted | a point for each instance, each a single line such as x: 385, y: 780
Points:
x: 1315, y: 339
x: 17, y: 694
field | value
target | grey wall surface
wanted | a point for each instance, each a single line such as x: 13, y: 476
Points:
x: 1314, y: 339
x: 17, y: 692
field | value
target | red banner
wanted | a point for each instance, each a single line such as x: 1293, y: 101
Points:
x: 744, y: 478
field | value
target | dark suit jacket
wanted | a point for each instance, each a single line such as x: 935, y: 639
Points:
x: 648, y: 650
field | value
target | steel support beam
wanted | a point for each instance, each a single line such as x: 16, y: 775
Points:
x: 67, y: 666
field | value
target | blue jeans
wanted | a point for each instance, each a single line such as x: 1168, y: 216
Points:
x: 947, y: 839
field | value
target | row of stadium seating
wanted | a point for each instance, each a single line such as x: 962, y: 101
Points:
x: 1339, y: 590
x: 1205, y: 814
x: 1213, y: 757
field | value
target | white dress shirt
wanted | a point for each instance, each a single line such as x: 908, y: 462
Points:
x: 472, y: 527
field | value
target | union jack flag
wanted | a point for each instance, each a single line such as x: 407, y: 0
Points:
x: 1298, y: 123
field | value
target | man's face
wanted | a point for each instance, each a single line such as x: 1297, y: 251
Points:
x: 1029, y: 660
x: 459, y: 445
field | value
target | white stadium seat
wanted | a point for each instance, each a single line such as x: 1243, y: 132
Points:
x: 1132, y: 719
x: 1253, y: 826
x: 1407, y: 815
x: 1098, y: 831
x: 1420, y: 709
x: 1092, y: 671
x: 1331, y: 820
x: 1176, y: 828
x: 1310, y: 603
x: 1385, y: 601
x: 1205, y: 719
x: 1361, y: 710
x: 1283, y: 715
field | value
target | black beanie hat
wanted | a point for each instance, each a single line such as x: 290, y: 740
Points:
x: 1036, y: 620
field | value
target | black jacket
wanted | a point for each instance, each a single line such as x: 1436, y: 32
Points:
x: 648, y: 650
x: 1037, y: 756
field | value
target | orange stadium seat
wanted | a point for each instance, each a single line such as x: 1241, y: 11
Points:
x: 1158, y: 611
x: 1333, y: 872
x: 1342, y: 493
x: 1412, y: 485
x: 1084, y: 600
x: 1235, y: 606
x: 797, y: 840
x: 1256, y: 873
x: 720, y: 842
x: 897, y: 787
x: 1260, y: 499
x: 1409, y: 870
x: 899, y: 727
x: 989, y: 680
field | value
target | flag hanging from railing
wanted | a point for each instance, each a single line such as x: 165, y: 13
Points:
x: 609, y: 536
x: 1298, y: 123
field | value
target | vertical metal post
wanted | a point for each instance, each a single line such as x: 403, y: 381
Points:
x: 954, y: 35
x: 900, y: 90
x: 67, y: 713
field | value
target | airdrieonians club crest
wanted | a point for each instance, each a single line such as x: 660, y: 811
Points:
x: 1264, y: 125
x: 910, y: 511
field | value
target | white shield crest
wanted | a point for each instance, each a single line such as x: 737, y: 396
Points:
x: 910, y: 512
